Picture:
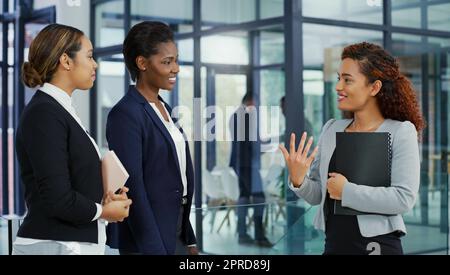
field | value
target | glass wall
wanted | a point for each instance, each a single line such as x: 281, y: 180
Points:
x: 109, y: 22
x: 432, y: 15
x: 110, y: 89
x: 216, y: 12
x: 425, y: 61
x: 176, y: 13
x: 226, y: 48
x: 357, y: 11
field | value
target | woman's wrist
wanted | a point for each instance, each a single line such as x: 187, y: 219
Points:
x: 297, y: 182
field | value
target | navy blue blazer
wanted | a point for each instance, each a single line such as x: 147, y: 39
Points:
x: 144, y: 146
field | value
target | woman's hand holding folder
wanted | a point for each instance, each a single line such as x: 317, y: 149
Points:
x: 116, y: 207
x: 335, y: 185
x: 120, y: 195
x: 298, y: 162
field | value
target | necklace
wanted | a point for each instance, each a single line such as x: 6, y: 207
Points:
x: 369, y: 129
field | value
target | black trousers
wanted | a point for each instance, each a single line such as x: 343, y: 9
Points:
x: 343, y: 237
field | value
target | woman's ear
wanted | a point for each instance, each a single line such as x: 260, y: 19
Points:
x: 141, y: 63
x: 376, y: 87
x: 65, y: 61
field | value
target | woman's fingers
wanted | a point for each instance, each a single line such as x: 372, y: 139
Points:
x: 308, y: 146
x: 284, y: 151
x: 292, y: 145
x: 301, y: 152
x: 302, y: 144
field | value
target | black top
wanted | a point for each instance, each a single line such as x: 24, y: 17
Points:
x: 342, y: 234
x: 61, y: 172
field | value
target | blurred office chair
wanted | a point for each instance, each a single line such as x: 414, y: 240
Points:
x: 230, y: 185
x: 215, y: 196
x: 272, y: 185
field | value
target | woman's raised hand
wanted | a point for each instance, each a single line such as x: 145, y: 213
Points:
x: 298, y: 162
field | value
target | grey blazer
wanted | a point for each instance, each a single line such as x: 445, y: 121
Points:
x: 394, y: 200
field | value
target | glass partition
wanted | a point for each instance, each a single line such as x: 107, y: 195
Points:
x: 109, y: 19
x: 432, y: 15
x: 110, y: 89
x: 218, y: 13
x: 370, y: 11
x: 176, y: 13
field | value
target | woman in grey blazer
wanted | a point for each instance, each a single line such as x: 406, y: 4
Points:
x: 378, y: 98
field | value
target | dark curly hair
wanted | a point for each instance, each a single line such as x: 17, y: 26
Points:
x: 397, y: 99
x: 143, y: 40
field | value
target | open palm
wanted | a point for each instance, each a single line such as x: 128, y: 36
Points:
x: 298, y: 162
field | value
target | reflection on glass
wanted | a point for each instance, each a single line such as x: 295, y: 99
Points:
x: 272, y: 46
x: 313, y: 90
x: 272, y: 163
x: 406, y: 15
x: 272, y: 89
x: 185, y: 50
x: 439, y: 17
x: 223, y: 92
x: 185, y: 86
x: 218, y: 12
x: 370, y: 11
x: 411, y: 13
x: 176, y: 13
x: 229, y: 90
x: 271, y: 8
x: 220, y: 222
x: 430, y: 235
x: 110, y: 89
x: 109, y: 23
x: 322, y: 50
x: 219, y: 226
x: 227, y: 48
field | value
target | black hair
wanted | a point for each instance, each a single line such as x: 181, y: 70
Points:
x: 143, y: 40
x: 247, y: 97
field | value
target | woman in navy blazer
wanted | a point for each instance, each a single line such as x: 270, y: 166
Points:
x: 153, y: 150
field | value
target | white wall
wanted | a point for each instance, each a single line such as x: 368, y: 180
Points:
x: 74, y: 13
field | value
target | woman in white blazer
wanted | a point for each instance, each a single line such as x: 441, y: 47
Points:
x: 377, y: 98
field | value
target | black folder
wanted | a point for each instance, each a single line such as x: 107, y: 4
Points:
x: 364, y: 159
